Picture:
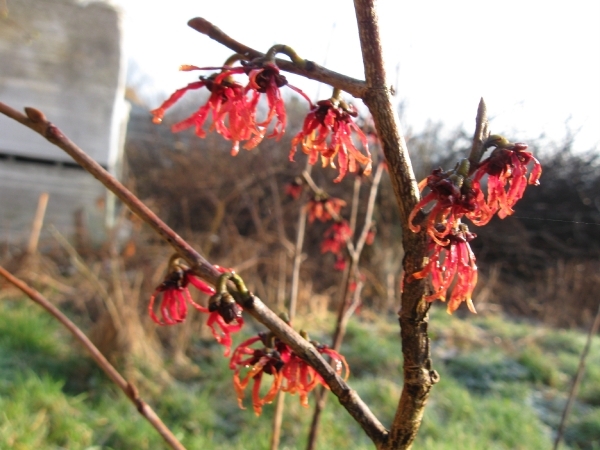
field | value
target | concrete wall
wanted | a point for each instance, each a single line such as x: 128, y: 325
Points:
x: 64, y: 58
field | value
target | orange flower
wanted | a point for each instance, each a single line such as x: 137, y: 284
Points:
x: 289, y: 372
x: 328, y: 130
x: 300, y: 378
x: 261, y: 361
x: 324, y: 208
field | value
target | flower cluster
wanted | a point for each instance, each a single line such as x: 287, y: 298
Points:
x: 233, y: 106
x: 173, y: 296
x: 457, y: 194
x: 507, y: 179
x: 288, y: 371
x: 324, y: 208
x: 328, y: 130
x: 454, y: 261
x: 452, y: 198
x: 335, y: 239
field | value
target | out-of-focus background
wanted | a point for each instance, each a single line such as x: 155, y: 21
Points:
x: 96, y: 69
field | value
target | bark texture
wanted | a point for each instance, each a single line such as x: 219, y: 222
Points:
x: 413, y: 315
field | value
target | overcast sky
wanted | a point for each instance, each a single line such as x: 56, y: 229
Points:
x: 536, y: 63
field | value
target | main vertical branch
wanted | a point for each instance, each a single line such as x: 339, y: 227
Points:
x: 418, y: 374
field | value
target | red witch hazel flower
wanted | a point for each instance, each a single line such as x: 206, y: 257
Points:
x: 265, y: 78
x: 233, y: 111
x: 224, y: 315
x: 324, y: 208
x: 289, y: 372
x: 233, y: 114
x: 335, y: 241
x: 454, y: 196
x: 176, y: 296
x: 294, y: 189
x: 327, y: 131
x: 448, y: 264
x: 507, y: 165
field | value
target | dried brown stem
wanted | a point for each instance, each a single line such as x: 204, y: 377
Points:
x: 254, y: 306
x: 418, y: 374
x: 577, y: 379
x: 38, y: 222
x: 129, y: 389
x: 298, y: 258
x: 310, y: 70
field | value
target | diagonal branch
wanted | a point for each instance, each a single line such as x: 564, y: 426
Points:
x: 310, y: 70
x: 349, y: 399
x: 129, y: 389
x: 418, y: 374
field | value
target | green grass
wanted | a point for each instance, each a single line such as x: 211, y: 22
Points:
x: 503, y: 385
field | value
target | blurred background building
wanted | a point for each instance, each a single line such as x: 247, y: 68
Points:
x: 65, y: 58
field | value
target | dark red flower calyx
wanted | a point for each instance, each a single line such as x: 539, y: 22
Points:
x: 225, y: 305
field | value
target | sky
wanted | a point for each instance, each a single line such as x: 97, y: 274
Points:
x: 536, y: 63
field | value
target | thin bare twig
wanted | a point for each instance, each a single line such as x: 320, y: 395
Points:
x: 297, y: 262
x: 354, y: 205
x: 347, y: 305
x: 577, y: 379
x: 310, y: 70
x: 202, y: 268
x: 481, y: 134
x: 129, y: 389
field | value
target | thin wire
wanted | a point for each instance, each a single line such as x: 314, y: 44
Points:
x: 556, y: 220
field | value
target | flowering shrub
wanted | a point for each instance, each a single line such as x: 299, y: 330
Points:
x: 329, y: 132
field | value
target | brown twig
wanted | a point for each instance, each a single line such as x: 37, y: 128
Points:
x: 295, y: 283
x: 129, y: 389
x: 481, y: 134
x: 418, y: 374
x: 310, y: 70
x: 577, y: 379
x: 202, y: 268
